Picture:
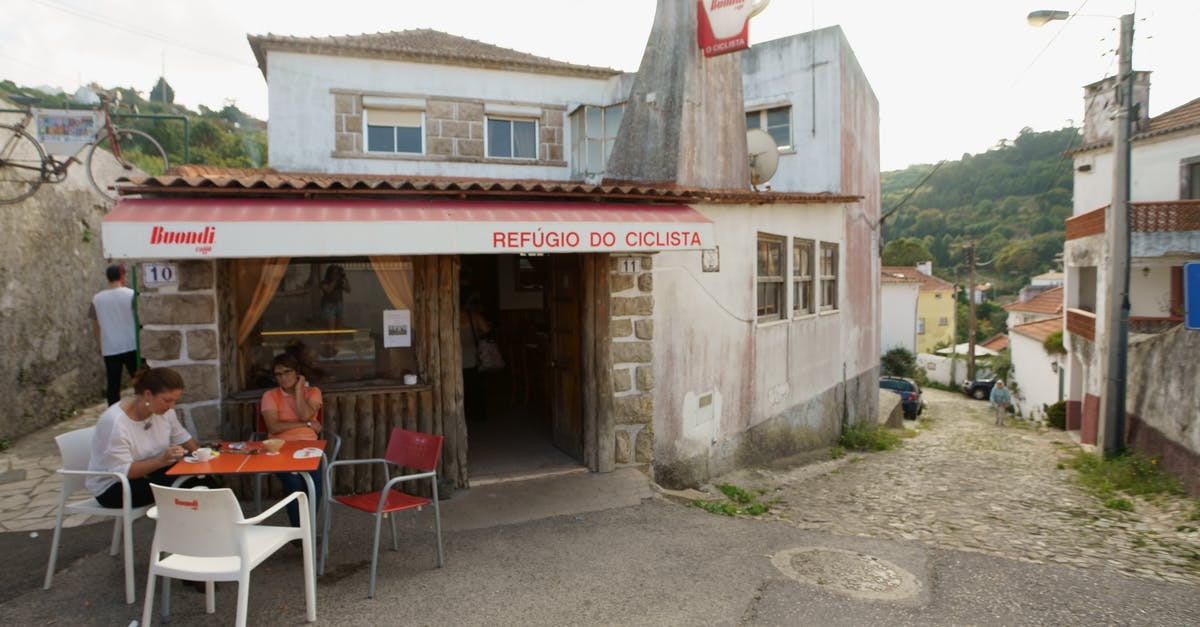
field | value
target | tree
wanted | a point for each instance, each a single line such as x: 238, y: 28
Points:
x: 899, y: 362
x: 162, y: 92
x: 907, y: 251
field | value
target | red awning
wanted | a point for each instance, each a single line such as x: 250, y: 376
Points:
x: 178, y: 228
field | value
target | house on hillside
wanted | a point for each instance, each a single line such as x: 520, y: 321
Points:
x: 1042, y: 305
x: 1164, y: 234
x: 653, y: 324
x: 898, y: 296
x: 935, y: 316
x: 1037, y: 376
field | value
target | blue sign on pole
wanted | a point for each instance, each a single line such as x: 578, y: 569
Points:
x: 1191, y: 294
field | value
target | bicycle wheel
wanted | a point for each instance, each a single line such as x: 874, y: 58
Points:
x: 139, y: 155
x: 22, y: 162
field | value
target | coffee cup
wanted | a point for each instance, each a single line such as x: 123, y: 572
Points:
x: 410, y: 379
x: 202, y: 454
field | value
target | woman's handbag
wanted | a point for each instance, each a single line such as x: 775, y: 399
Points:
x: 488, y: 356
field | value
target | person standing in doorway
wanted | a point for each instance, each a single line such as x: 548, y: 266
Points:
x: 1000, y: 400
x: 116, y: 333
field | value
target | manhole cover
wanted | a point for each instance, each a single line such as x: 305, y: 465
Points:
x: 847, y: 572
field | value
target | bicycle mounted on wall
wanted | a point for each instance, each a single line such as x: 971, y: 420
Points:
x: 27, y: 162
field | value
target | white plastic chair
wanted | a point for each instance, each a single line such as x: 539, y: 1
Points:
x: 75, y: 447
x: 205, y: 537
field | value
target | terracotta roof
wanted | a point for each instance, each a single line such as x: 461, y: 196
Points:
x: 929, y: 283
x: 1180, y: 118
x: 1039, y: 330
x: 997, y: 342
x: 211, y: 181
x: 421, y: 46
x: 1047, y: 302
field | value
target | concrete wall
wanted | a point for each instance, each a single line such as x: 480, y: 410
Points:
x: 786, y: 72
x: 53, y: 264
x: 1163, y: 401
x: 733, y: 391
x: 1155, y: 164
x: 302, y: 94
x: 1036, y: 382
x: 899, y: 326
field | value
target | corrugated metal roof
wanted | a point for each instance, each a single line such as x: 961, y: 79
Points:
x: 1047, y: 302
x: 421, y: 46
x: 929, y: 283
x: 194, y: 181
x: 1041, y: 329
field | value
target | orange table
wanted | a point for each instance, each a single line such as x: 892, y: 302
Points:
x: 254, y: 459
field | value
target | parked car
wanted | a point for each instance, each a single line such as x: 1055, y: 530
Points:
x: 981, y: 386
x: 910, y: 394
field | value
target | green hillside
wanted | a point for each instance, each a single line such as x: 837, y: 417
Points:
x: 1011, y: 201
x: 226, y: 137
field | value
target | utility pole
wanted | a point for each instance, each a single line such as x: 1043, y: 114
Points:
x: 1116, y: 319
x: 971, y: 309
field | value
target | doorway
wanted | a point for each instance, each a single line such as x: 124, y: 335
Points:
x: 524, y: 420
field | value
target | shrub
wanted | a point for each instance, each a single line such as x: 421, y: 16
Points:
x: 862, y: 436
x: 899, y: 362
x: 1056, y: 415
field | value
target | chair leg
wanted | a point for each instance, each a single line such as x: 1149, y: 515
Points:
x: 395, y: 542
x: 310, y: 580
x: 148, y: 604
x: 243, y: 598
x: 437, y: 525
x: 374, y: 557
x: 324, y: 555
x: 116, y: 538
x: 166, y: 598
x: 54, y: 547
x: 127, y: 527
x: 210, y: 597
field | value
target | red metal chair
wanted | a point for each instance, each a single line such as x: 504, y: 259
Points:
x: 406, y: 449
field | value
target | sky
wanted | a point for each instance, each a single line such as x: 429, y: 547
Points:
x: 952, y: 76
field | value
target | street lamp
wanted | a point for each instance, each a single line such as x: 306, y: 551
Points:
x: 1116, y: 227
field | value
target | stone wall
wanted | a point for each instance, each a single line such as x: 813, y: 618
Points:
x: 1163, y: 401
x: 179, y: 330
x: 53, y: 264
x: 633, y: 353
x: 454, y: 130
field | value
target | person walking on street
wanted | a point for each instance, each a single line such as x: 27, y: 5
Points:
x: 116, y: 334
x: 1000, y: 400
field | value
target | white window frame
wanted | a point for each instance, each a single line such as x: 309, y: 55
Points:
x: 389, y: 118
x: 829, y: 276
x: 582, y: 138
x: 920, y: 326
x: 803, y: 280
x: 487, y: 136
x: 773, y: 282
x: 776, y: 131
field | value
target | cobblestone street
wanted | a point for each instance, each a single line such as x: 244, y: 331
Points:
x: 963, y: 483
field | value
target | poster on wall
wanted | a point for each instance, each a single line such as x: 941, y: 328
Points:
x: 397, y: 328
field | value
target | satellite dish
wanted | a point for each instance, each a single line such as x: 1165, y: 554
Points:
x: 764, y: 156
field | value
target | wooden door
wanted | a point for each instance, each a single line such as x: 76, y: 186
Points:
x: 566, y: 362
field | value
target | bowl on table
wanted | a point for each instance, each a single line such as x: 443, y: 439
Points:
x: 272, y: 446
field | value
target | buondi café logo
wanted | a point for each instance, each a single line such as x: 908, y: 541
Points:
x: 202, y: 239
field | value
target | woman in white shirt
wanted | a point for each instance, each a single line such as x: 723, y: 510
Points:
x: 140, y: 437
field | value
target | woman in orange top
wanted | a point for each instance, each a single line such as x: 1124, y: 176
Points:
x: 291, y: 412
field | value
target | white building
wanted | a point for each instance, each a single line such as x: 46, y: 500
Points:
x: 898, y: 298
x: 1037, y: 377
x: 1164, y: 233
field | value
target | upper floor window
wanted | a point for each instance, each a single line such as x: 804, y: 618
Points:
x: 395, y: 131
x: 1191, y: 179
x: 770, y: 277
x: 512, y: 139
x: 593, y: 133
x: 920, y: 326
x: 776, y: 121
x: 802, y: 277
x: 829, y: 278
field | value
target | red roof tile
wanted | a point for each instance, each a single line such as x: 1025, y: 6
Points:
x: 1041, y: 329
x: 1180, y: 118
x: 929, y: 283
x: 421, y: 46
x: 997, y: 342
x: 1047, y: 302
x: 212, y: 181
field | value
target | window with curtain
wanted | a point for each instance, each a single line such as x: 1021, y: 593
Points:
x: 327, y: 312
x: 802, y: 277
x: 512, y: 139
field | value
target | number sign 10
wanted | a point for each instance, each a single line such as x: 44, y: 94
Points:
x: 159, y: 274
